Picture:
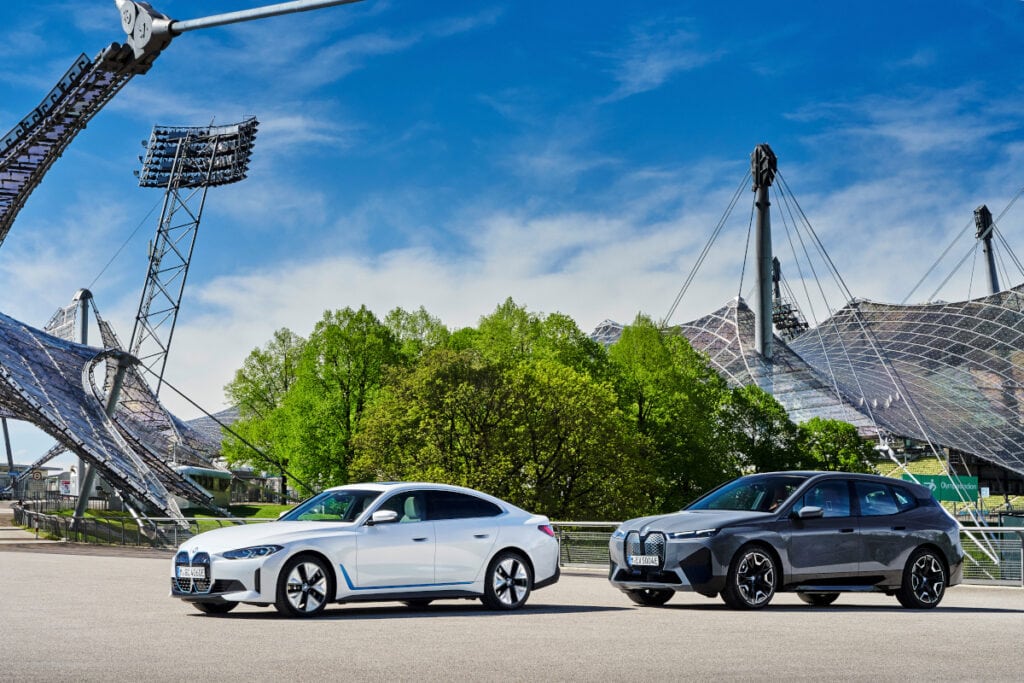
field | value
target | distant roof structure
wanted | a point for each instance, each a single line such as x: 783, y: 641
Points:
x: 46, y: 381
x: 950, y: 372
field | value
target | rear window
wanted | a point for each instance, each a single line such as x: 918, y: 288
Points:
x: 453, y: 505
x: 876, y: 499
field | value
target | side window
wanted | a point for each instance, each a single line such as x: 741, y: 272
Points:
x: 452, y: 505
x: 408, y: 504
x: 875, y: 499
x: 904, y: 500
x: 833, y: 497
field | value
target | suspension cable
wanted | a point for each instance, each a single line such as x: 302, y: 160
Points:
x: 266, y: 456
x: 707, y: 248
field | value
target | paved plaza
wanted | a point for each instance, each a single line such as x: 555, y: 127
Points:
x: 74, y: 613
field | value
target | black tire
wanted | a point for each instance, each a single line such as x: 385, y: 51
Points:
x: 508, y: 582
x: 304, y: 587
x: 215, y: 607
x: 818, y: 599
x: 650, y: 597
x: 752, y: 578
x: 924, y: 580
x: 417, y: 604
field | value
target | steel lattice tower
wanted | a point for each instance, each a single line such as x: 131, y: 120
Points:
x: 186, y: 162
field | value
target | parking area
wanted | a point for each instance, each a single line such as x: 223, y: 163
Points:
x: 68, y: 615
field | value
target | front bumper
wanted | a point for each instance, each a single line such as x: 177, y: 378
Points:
x: 684, y: 565
x: 223, y: 580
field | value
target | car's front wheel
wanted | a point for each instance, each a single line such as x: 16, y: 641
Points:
x: 508, y: 581
x: 215, y: 607
x: 304, y: 587
x: 924, y: 580
x: 651, y: 597
x: 752, y: 579
x: 818, y: 599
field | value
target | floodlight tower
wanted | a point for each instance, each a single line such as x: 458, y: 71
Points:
x: 186, y: 162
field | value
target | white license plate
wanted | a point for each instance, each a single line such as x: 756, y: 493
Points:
x: 191, y: 572
x: 644, y: 560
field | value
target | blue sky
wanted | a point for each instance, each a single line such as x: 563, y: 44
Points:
x: 573, y: 156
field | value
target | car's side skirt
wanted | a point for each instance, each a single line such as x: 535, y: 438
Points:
x: 411, y: 595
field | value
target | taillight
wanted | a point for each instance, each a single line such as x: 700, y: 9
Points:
x: 546, y: 528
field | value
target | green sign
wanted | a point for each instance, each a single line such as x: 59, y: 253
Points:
x: 956, y: 489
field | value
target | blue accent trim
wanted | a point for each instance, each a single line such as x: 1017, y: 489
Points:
x: 351, y: 586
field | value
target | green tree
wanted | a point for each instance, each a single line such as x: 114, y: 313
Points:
x: 835, y: 445
x: 674, y: 399
x: 762, y: 436
x: 342, y: 367
x: 416, y: 332
x: 258, y: 390
x: 540, y: 434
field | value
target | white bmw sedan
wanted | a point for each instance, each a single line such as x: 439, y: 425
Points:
x: 409, y: 542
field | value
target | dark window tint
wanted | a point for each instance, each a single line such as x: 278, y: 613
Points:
x: 833, y: 497
x: 452, y: 505
x: 875, y: 499
x: 904, y: 500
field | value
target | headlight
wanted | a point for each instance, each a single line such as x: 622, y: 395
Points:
x: 698, y: 533
x: 251, y: 552
x: 619, y: 533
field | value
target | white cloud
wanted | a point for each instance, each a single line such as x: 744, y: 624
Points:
x: 656, y: 52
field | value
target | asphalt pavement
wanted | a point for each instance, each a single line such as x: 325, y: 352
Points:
x: 73, y: 613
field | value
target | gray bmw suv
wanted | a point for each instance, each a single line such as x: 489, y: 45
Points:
x: 815, y: 533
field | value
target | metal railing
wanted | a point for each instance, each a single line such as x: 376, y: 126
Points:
x: 156, y: 532
x: 995, y: 555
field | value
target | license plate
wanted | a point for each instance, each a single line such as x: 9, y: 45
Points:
x: 191, y: 572
x: 644, y: 560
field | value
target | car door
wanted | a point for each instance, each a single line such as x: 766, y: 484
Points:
x: 883, y: 529
x: 466, y: 529
x: 826, y: 547
x: 398, y: 554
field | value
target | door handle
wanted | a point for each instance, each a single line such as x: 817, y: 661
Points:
x: 420, y: 539
x: 846, y: 531
x: 481, y: 535
x: 899, y: 528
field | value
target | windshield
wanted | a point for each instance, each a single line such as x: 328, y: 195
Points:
x: 332, y: 506
x: 751, y: 494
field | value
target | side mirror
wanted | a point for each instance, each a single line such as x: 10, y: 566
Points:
x: 810, y: 512
x: 383, y: 517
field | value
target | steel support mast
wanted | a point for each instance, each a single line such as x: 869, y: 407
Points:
x: 763, y: 166
x: 983, y: 222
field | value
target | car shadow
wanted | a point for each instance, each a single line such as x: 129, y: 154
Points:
x: 875, y: 609
x: 366, y: 612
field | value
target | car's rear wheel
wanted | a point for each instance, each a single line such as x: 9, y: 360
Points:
x: 304, y: 587
x: 818, y: 599
x: 924, y: 580
x: 508, y: 581
x: 752, y: 578
x: 651, y: 597
x: 215, y: 607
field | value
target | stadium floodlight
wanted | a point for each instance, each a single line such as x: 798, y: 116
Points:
x: 186, y: 162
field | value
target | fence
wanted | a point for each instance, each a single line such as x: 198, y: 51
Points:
x: 995, y: 555
x: 155, y: 532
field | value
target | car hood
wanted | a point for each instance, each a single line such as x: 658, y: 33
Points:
x: 693, y: 520
x: 279, y: 533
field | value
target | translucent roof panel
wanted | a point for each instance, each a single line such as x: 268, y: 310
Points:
x: 46, y: 381
x: 952, y: 373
